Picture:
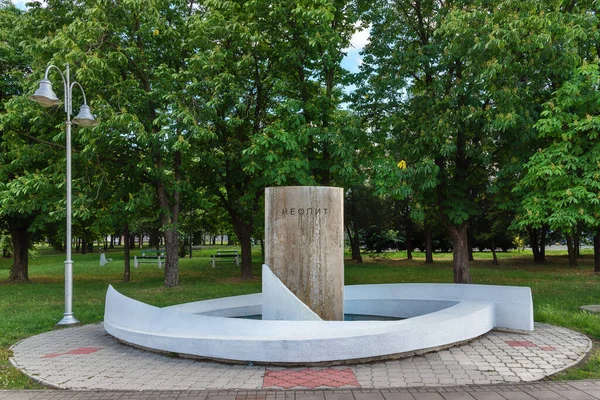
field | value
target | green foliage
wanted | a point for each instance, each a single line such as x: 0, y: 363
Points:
x: 379, y: 241
x: 562, y: 179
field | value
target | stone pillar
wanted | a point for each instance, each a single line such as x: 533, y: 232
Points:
x: 304, y: 247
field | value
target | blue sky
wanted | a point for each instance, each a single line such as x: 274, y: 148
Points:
x: 20, y: 3
x: 353, y: 59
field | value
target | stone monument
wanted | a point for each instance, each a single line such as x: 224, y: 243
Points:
x: 303, y: 299
x: 304, y: 248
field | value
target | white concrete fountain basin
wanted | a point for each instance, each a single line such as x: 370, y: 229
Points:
x: 437, y: 315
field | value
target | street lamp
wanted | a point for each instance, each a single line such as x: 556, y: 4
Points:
x: 46, y: 97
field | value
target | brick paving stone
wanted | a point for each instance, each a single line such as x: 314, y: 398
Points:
x: 584, y: 385
x: 398, y: 396
x: 428, y: 396
x: 457, y: 396
x: 544, y: 394
x: 575, y: 395
x: 517, y: 395
x: 374, y: 395
x: 593, y: 393
x: 339, y: 396
x: 487, y: 396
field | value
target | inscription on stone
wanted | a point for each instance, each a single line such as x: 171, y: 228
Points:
x: 304, y: 245
x: 304, y: 211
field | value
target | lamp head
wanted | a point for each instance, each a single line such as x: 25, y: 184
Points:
x: 85, y: 117
x: 45, y: 96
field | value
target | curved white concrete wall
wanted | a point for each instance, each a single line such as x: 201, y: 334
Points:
x: 279, y: 303
x: 456, y: 313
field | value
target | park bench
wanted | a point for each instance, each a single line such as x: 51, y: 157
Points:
x: 226, y: 254
x: 150, y: 256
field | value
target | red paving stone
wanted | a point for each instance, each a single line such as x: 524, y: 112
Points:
x: 520, y: 343
x: 310, y: 378
x: 81, y: 350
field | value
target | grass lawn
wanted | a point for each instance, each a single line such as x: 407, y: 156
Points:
x: 33, y: 308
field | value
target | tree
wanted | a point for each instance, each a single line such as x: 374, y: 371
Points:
x: 28, y: 176
x: 562, y: 179
x: 456, y: 87
x: 129, y: 56
x: 420, y: 92
x: 262, y: 96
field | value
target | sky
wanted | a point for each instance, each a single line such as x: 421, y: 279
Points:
x: 20, y: 3
x: 353, y: 59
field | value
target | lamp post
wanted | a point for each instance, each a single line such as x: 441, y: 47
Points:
x: 46, y: 97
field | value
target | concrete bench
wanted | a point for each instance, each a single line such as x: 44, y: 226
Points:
x: 226, y: 254
x: 149, y: 256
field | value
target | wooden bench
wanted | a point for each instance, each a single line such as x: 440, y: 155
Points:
x: 226, y: 254
x: 149, y: 256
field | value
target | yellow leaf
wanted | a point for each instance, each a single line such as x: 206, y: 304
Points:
x: 402, y: 164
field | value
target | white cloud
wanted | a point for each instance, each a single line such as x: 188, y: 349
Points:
x: 20, y: 3
x: 359, y: 39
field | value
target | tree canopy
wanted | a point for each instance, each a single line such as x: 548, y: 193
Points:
x: 467, y: 119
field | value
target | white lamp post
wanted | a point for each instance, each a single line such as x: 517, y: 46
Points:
x: 46, y: 97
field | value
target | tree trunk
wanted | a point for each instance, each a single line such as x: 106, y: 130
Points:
x: 408, y: 238
x: 597, y: 252
x: 169, y: 218
x: 154, y: 239
x: 20, y: 241
x: 543, y: 244
x: 460, y: 253
x: 428, y: 245
x: 243, y: 232
x: 571, y: 250
x: 127, y: 269
x: 470, y: 244
x: 353, y: 234
x: 534, y: 244
x: 538, y: 255
x: 576, y: 243
x: 354, y: 245
x: 494, y: 256
x: 171, y: 258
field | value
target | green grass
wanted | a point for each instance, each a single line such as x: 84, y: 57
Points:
x: 33, y: 308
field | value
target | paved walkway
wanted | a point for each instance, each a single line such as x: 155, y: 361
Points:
x: 571, y: 390
x: 88, y: 358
